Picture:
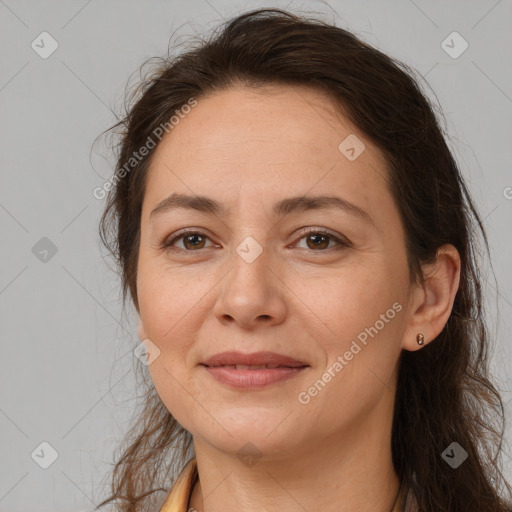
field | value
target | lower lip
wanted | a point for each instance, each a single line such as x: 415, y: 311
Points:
x: 252, y: 379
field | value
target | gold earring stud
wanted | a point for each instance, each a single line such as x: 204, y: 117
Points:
x: 420, y: 338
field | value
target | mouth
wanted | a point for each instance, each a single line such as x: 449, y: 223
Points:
x: 250, y: 366
x: 252, y: 371
x: 256, y: 360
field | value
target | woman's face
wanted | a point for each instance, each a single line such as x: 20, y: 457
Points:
x: 252, y: 279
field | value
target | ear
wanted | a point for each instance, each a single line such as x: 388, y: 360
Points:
x: 141, y: 333
x: 431, y: 303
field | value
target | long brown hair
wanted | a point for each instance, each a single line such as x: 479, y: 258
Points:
x: 444, y: 394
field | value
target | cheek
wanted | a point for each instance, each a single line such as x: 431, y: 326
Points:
x: 178, y: 391
x: 167, y: 298
x: 345, y: 303
x: 170, y: 308
x: 363, y: 316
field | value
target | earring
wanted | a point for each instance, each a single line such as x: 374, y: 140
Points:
x: 420, y: 338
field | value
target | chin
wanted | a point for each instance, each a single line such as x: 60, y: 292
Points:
x: 254, y: 434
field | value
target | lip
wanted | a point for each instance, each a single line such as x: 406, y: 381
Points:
x: 222, y: 367
x: 254, y: 359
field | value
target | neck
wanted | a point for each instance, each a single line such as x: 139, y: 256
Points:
x: 344, y: 472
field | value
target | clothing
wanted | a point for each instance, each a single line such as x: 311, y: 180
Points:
x: 179, y: 498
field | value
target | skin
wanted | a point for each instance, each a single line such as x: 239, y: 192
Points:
x: 248, y: 149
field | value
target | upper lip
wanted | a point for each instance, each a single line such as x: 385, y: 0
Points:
x: 254, y: 359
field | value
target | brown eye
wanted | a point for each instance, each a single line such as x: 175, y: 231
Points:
x: 192, y: 241
x: 196, y: 241
x: 318, y: 240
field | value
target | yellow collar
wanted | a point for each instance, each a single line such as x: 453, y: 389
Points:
x: 179, y: 497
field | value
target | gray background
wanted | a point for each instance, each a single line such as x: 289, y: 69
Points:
x: 67, y: 368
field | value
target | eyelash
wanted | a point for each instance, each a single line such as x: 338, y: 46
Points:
x: 168, y: 245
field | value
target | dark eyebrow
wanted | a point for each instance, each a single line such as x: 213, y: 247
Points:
x: 284, y: 207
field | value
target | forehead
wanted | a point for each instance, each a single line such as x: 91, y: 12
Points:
x: 264, y: 144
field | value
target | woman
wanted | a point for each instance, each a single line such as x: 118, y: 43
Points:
x: 299, y: 245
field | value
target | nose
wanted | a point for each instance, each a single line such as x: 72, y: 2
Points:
x: 252, y: 294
